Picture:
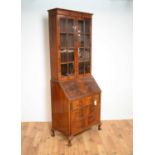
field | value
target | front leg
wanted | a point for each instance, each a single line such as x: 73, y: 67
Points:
x: 52, y: 132
x: 69, y: 141
x: 99, y: 126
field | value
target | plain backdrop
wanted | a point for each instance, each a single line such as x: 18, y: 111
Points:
x: 143, y: 75
x: 111, y: 52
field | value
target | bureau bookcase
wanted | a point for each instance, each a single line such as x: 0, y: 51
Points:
x: 75, y: 95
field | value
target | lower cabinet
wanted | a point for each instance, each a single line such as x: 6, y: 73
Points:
x: 75, y: 107
x: 85, y: 112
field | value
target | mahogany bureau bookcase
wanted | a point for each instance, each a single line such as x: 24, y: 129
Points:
x: 75, y: 95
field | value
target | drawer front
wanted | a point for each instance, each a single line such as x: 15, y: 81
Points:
x: 78, y: 126
x: 84, y: 113
x: 93, y: 113
x: 92, y: 109
x: 78, y: 114
x: 93, y: 119
x: 96, y: 99
x: 86, y: 101
x: 84, y: 118
x: 75, y: 105
x: 78, y: 104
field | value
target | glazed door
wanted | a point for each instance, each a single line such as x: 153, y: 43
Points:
x: 84, y: 46
x: 74, y: 46
x: 67, y: 47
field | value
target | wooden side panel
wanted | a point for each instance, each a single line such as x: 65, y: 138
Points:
x: 53, y: 46
x: 60, y: 109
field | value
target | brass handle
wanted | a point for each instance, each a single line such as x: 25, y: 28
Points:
x: 95, y: 103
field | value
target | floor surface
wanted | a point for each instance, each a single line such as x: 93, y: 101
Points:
x: 115, y: 138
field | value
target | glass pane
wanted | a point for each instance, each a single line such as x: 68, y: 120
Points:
x: 80, y: 26
x: 87, y: 67
x: 71, y: 26
x: 81, y: 40
x: 81, y: 54
x: 64, y: 69
x: 63, y: 41
x: 71, y: 54
x: 70, y: 40
x: 81, y: 67
x: 62, y: 25
x: 71, y: 68
x: 63, y: 55
x: 87, y: 40
x: 87, y: 52
x: 87, y: 26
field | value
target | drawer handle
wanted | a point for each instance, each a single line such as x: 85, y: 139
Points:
x: 95, y: 103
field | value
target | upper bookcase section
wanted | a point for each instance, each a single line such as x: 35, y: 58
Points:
x: 70, y: 36
x: 59, y: 11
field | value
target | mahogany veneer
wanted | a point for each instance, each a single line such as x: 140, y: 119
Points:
x: 76, y: 97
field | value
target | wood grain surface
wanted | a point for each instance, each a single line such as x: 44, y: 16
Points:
x: 115, y: 138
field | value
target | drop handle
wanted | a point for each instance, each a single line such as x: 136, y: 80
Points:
x: 95, y: 102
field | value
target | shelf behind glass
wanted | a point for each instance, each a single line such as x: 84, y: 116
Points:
x: 70, y: 40
x: 87, y: 26
x: 80, y: 26
x: 63, y: 40
x: 63, y: 24
x: 87, y: 67
x: 87, y: 40
x: 87, y: 54
x: 70, y: 26
x: 81, y: 40
x: 81, y: 67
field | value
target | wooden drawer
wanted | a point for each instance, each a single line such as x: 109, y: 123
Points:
x: 92, y: 109
x: 78, y: 114
x: 83, y: 118
x: 96, y: 98
x: 78, y: 126
x: 83, y: 113
x: 86, y: 100
x: 77, y: 104
x: 93, y: 119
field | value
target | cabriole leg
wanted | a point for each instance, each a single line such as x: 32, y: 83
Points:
x: 69, y: 141
x: 52, y: 133
x: 99, y: 126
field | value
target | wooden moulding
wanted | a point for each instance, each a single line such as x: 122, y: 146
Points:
x: 60, y: 11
